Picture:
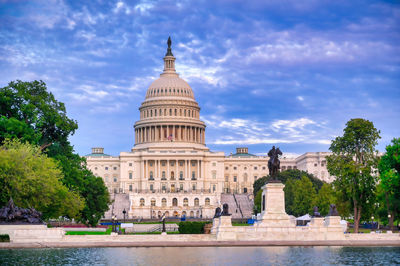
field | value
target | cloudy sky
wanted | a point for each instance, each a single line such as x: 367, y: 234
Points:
x: 289, y: 73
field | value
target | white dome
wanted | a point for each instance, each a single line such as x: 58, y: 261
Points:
x: 169, y: 85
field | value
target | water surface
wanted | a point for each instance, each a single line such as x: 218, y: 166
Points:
x: 204, y: 256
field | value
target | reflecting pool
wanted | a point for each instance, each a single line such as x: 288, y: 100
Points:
x: 204, y: 256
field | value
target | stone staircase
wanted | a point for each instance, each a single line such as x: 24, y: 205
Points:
x: 245, y: 205
x: 119, y: 203
x: 240, y: 205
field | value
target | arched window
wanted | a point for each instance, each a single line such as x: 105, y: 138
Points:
x: 162, y: 91
x: 155, y: 112
x: 207, y: 201
x: 184, y: 112
x: 189, y: 113
x: 245, y: 190
x: 151, y: 113
x: 172, y: 175
x: 174, y: 202
x: 191, y: 214
x: 160, y: 112
x: 196, y: 202
x: 142, y: 202
x: 175, y: 112
x: 164, y: 202
x: 153, y: 202
x: 185, y: 202
x: 170, y: 112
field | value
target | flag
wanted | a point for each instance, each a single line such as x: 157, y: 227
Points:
x: 170, y: 137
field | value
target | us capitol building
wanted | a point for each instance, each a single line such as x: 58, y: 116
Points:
x: 170, y: 169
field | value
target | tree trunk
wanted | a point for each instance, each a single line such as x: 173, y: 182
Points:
x: 391, y: 220
x: 357, y: 217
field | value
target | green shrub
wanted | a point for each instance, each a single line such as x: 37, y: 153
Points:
x: 4, y: 238
x: 192, y: 227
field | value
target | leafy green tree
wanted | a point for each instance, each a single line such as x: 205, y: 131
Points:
x: 31, y: 113
x: 289, y: 190
x: 303, y: 197
x: 352, y: 162
x: 286, y: 175
x: 34, y: 180
x: 389, y: 169
x: 325, y: 197
x: 30, y: 102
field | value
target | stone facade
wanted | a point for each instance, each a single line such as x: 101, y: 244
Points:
x: 170, y: 169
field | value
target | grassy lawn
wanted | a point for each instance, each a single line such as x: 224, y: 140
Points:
x: 81, y: 233
x: 153, y: 233
x: 360, y: 230
x: 241, y: 224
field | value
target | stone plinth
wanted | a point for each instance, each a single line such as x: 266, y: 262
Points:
x: 225, y: 230
x: 273, y: 204
x: 32, y: 233
x: 215, y: 223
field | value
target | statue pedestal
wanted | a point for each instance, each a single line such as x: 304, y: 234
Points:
x: 215, y: 223
x: 273, y: 207
x: 224, y: 228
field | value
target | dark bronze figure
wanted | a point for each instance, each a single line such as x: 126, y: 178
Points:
x: 333, y: 211
x: 217, y: 212
x: 169, y: 51
x: 316, y: 212
x: 225, y: 210
x: 273, y: 163
x: 17, y: 215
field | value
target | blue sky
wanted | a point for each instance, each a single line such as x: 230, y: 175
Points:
x: 280, y: 72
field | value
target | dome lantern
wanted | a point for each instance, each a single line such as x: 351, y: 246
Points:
x: 169, y: 60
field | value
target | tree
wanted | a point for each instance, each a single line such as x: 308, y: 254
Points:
x: 34, y: 180
x: 29, y: 102
x: 352, y: 162
x: 303, y: 197
x: 325, y: 197
x: 287, y: 177
x: 30, y: 113
x: 389, y: 169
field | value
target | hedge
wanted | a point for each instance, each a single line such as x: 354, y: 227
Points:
x: 192, y: 227
x: 4, y: 238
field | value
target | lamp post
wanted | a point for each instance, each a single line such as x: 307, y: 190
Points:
x: 372, y: 221
x: 124, y: 212
x: 113, y: 223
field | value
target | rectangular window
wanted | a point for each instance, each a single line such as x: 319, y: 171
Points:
x: 115, y: 168
x: 255, y: 167
x: 193, y: 164
x: 180, y: 163
x: 226, y: 178
x: 106, y: 168
x: 214, y: 175
x: 163, y: 164
x: 193, y: 174
x: 164, y: 187
x: 151, y: 187
x: 115, y: 179
x: 151, y: 164
x: 234, y: 178
x: 130, y: 164
x: 181, y: 186
x: 214, y: 164
x: 214, y: 188
x: 255, y: 177
x: 130, y: 175
x: 172, y: 163
x: 130, y: 187
x: 194, y: 186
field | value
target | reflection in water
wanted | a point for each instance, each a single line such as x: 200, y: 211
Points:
x: 204, y: 256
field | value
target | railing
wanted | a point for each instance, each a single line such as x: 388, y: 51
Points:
x: 171, y: 191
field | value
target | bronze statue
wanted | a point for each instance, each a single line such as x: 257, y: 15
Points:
x: 316, y: 212
x: 273, y: 163
x: 169, y: 51
x: 333, y: 211
x: 17, y: 215
x: 225, y: 210
x: 217, y: 212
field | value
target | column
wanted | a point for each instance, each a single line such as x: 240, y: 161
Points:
x: 159, y: 168
x: 168, y: 175
x: 142, y: 175
x: 185, y: 171
x: 176, y: 170
x: 174, y: 133
x: 162, y: 133
x: 198, y: 169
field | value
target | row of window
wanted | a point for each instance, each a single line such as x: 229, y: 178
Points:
x: 245, y: 168
x: 196, y: 202
x: 165, y: 112
x: 170, y: 90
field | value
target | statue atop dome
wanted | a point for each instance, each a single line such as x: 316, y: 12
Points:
x: 169, y: 52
